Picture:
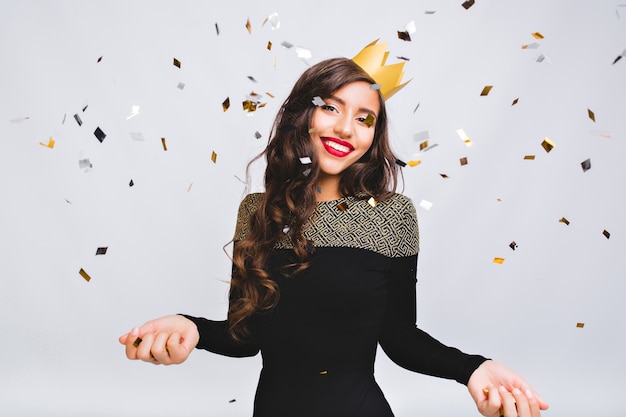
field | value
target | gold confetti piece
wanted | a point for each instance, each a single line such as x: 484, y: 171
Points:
x: 249, y: 26
x: 426, y: 205
x: 269, y: 94
x: 564, y: 220
x: 317, y: 100
x: 189, y: 188
x: 486, y: 90
x: 586, y: 165
x: 547, y: 144
x: 464, y: 137
x: 100, y: 135
x: 592, y: 116
x: 513, y: 245
x: 269, y: 45
x: 369, y: 120
x: 249, y: 105
x: 214, y: 157
x: 226, y: 104
x: 423, y: 145
x: 102, y: 250
x: 498, y: 261
x: 176, y: 63
x: 405, y: 36
x: 515, y: 102
x: 463, y: 161
x: 305, y: 160
x: 537, y: 35
x: 137, y: 342
x: 273, y: 19
x: 401, y: 163
x: 84, y: 274
x: 131, y: 183
x: 499, y: 200
x: 99, y: 59
x: 164, y: 145
x: 324, y: 373
x: 78, y: 120
x: 50, y: 143
x: 529, y: 157
x: 343, y: 206
x: 444, y: 175
x: 414, y: 163
x: 372, y: 202
x: 580, y: 325
x: 467, y: 4
x: 606, y: 233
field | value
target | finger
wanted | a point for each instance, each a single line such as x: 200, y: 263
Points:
x: 492, y: 399
x: 533, y: 404
x: 178, y: 350
x: 122, y: 338
x: 508, y: 403
x: 144, y: 349
x: 132, y: 341
x: 521, y: 401
x: 159, y: 350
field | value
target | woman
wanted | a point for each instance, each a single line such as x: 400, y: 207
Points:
x: 324, y: 269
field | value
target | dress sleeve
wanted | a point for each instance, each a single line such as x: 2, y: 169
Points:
x: 214, y: 335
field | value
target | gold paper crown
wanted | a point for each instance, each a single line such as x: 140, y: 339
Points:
x: 372, y: 59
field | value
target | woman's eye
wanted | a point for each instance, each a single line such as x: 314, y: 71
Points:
x: 367, y: 120
x: 328, y: 107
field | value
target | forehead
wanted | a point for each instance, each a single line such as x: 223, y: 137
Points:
x: 359, y: 94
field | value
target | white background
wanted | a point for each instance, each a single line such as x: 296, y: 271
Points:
x: 59, y: 354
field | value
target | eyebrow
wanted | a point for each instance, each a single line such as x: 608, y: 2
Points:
x: 361, y: 109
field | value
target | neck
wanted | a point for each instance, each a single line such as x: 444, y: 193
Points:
x: 328, y: 188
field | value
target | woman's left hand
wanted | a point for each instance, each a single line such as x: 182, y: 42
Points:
x: 491, y: 377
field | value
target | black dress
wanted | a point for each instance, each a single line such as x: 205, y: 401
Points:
x: 319, y: 343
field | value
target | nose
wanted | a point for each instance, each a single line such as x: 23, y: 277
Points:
x: 343, y: 127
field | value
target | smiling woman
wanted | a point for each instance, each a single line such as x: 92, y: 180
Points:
x: 324, y: 265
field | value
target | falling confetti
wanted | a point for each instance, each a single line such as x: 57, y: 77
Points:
x: 529, y: 157
x: 515, y: 102
x: 21, y: 119
x: 85, y: 163
x: 374, y: 86
x: 422, y: 137
x: 426, y: 205
x: 369, y: 120
x: 591, y: 115
x: 189, y: 188
x: 317, y: 100
x: 137, y: 342
x: 181, y: 86
x: 100, y: 135
x: 416, y: 107
x: 50, y: 143
x: 513, y: 245
x: 486, y: 90
x: 303, y: 53
x: 226, y: 104
x: 214, y: 157
x: 286, y: 44
x: 176, y: 63
x: 269, y: 45
x: 467, y: 4
x: 498, y: 261
x: 606, y: 233
x: 401, y: 163
x: 547, y: 144
x: 99, y: 59
x: 463, y: 161
x: 586, y: 165
x: 273, y: 20
x: 564, y: 220
x: 131, y: 183
x: 258, y: 135
x: 248, y: 26
x: 134, y: 111
x: 464, y: 137
x: 541, y: 58
x: 78, y: 120
x: 102, y: 250
x: 84, y: 274
x: 414, y: 162
x: 405, y: 36
x: 305, y: 160
x: 444, y: 176
x: 232, y: 401
x: 217, y: 29
x: 533, y: 45
x: 372, y: 202
x: 537, y: 35
x: 580, y: 325
x: 85, y: 108
x: 164, y: 145
x: 343, y: 206
x: 137, y: 136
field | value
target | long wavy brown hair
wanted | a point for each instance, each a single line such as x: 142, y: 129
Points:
x: 290, y: 187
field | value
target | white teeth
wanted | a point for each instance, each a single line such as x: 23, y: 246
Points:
x: 337, y: 146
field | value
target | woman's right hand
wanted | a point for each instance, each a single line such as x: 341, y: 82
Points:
x: 164, y: 341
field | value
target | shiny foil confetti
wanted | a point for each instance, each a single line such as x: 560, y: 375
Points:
x: 100, y: 135
x: 305, y: 160
x: 464, y: 137
x: 134, y: 111
x: 317, y: 100
x: 84, y: 163
x: 303, y: 53
x: 249, y: 26
x: 269, y: 45
x: 486, y: 90
x: 586, y: 165
x: 529, y: 157
x: 181, y: 86
x: 413, y: 162
x: 217, y: 29
x: 515, y: 102
x: 580, y: 325
x: 369, y: 120
x: 99, y: 59
x: 102, y: 250
x: 189, y: 188
x: 405, y: 36
x: 78, y: 120
x: 421, y: 137
x: 444, y: 176
x: 226, y: 104
x: 426, y: 205
x: 137, y: 342
x: 372, y: 202
x: 137, y: 136
x: 164, y: 144
x: 50, y: 143
x: 541, y: 58
x: 400, y: 163
x: 591, y: 115
x: 374, y: 86
x: 258, y: 135
x: 463, y: 161
x: 84, y: 274
x: 273, y: 20
x: 214, y: 157
x: 131, y: 183
x: 606, y: 233
x: 176, y: 63
x: 533, y: 45
x: 423, y: 145
x: 537, y: 35
x: 251, y: 78
x: 343, y: 206
x: 498, y: 261
x: 513, y: 245
x: 547, y: 144
x: 564, y: 220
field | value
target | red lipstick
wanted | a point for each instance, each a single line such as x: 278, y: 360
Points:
x: 336, y: 146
